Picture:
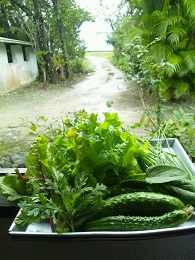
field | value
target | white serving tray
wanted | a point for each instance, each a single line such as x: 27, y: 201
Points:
x: 42, y: 231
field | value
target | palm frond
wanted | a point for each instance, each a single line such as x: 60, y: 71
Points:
x: 162, y: 28
x: 166, y: 88
x: 160, y: 51
x: 175, y: 61
x: 157, y: 52
x: 182, y: 43
x: 175, y: 34
x: 147, y: 36
x: 190, y: 7
x: 189, y: 59
x: 168, y: 50
x: 181, y: 88
x: 150, y: 6
x: 146, y: 20
x: 170, y: 70
x: 182, y: 70
x: 156, y: 17
x: 132, y: 34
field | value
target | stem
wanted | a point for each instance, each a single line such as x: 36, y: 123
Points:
x: 42, y: 172
x: 44, y: 179
x: 72, y: 225
x: 145, y: 109
x: 52, y: 224
x: 49, y: 194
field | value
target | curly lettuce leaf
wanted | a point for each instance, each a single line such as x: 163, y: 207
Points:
x: 13, y: 187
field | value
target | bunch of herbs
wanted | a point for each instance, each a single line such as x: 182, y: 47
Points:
x: 73, y: 172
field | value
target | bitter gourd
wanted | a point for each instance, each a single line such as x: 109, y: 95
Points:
x: 137, y: 223
x: 133, y: 204
x: 141, y: 203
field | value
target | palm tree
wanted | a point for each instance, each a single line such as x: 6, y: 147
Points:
x: 168, y: 31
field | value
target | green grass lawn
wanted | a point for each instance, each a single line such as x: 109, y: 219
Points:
x: 107, y: 55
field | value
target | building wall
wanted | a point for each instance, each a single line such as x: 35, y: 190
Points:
x: 19, y: 72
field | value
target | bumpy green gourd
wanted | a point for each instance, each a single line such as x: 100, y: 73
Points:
x: 141, y: 203
x: 137, y: 223
x: 133, y: 204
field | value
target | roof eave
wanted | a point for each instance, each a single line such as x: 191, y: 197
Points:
x: 12, y: 41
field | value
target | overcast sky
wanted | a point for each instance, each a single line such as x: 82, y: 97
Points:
x: 95, y: 34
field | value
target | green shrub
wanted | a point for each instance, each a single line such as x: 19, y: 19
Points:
x: 177, y: 124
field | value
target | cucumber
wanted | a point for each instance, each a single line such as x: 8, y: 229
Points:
x: 118, y: 190
x: 137, y: 223
x: 132, y: 204
x: 140, y: 204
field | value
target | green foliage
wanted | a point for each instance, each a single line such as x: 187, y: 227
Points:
x: 70, y: 174
x: 66, y: 175
x: 157, y: 47
x: 78, y: 66
x: 52, y: 27
x: 14, y: 187
x: 179, y: 124
x: 106, y: 55
x: 173, y: 181
x: 44, y: 127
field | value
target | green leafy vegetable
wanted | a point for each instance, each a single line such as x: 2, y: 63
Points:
x: 165, y: 173
x: 74, y: 171
x: 172, y: 180
x: 14, y: 187
x: 70, y: 174
x: 64, y: 203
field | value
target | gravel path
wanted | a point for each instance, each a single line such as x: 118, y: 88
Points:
x: 92, y: 93
x: 105, y: 84
x: 18, y: 108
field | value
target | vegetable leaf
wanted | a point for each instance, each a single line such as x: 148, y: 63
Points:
x: 68, y: 176
x: 13, y: 187
x: 182, y: 189
x: 165, y: 173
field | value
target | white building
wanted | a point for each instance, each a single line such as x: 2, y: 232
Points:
x: 18, y: 64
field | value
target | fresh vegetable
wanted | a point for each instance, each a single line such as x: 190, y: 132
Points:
x: 141, y: 203
x: 133, y: 204
x: 172, y: 180
x: 70, y: 174
x: 15, y: 187
x: 137, y: 223
x: 77, y: 170
x: 59, y: 201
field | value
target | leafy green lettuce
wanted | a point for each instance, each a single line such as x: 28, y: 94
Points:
x: 70, y: 174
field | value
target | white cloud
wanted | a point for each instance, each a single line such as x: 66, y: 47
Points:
x: 95, y: 34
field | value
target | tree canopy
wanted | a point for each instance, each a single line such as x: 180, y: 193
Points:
x: 53, y: 28
x: 154, y: 44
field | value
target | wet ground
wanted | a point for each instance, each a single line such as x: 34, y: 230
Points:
x: 105, y: 85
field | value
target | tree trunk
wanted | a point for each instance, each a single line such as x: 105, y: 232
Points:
x: 37, y: 17
x: 62, y: 36
x: 42, y: 41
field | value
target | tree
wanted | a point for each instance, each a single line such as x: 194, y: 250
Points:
x: 158, y: 45
x: 62, y: 36
x: 52, y: 27
x: 41, y: 38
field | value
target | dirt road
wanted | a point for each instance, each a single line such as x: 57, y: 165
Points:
x: 105, y: 84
